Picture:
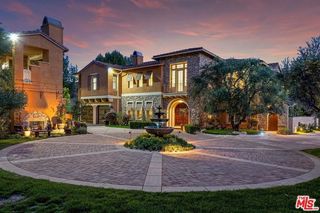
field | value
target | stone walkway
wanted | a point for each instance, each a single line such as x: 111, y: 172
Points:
x: 218, y: 162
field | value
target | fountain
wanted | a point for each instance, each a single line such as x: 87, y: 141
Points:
x: 159, y: 130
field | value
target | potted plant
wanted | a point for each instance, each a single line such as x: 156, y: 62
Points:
x: 27, y: 132
x: 61, y: 115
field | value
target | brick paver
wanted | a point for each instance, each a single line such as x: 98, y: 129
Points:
x: 218, y: 162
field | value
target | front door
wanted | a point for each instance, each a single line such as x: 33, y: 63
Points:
x: 181, y: 115
x: 273, y: 122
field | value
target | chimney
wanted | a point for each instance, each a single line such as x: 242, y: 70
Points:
x: 136, y: 58
x: 53, y: 28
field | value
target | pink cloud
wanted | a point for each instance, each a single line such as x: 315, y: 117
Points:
x: 151, y: 4
x: 75, y: 42
x: 186, y: 33
x: 20, y: 8
x: 128, y: 42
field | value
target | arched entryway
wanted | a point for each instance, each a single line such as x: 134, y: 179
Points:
x: 272, y: 122
x: 178, y: 113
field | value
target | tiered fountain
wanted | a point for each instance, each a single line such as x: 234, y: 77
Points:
x: 160, y: 129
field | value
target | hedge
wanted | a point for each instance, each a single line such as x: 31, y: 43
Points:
x: 140, y: 124
x: 191, y: 129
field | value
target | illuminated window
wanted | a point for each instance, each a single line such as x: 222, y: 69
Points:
x: 139, y: 105
x: 139, y: 79
x: 179, y: 76
x: 148, y: 76
x: 130, y: 80
x: 173, y: 78
x: 130, y: 109
x: 115, y: 82
x: 149, y: 112
x: 94, y: 83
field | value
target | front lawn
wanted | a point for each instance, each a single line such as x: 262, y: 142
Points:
x: 12, y: 141
x: 45, y: 196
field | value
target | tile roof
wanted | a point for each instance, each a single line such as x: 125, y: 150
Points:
x: 144, y: 64
x: 185, y: 51
x: 39, y: 32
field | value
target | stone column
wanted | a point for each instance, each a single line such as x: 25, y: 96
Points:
x: 94, y: 114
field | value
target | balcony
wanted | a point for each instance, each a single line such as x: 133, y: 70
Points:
x: 178, y: 89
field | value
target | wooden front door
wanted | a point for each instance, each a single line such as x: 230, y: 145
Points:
x: 181, y: 114
x: 273, y: 122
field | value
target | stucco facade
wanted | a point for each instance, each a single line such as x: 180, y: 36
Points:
x: 37, y: 63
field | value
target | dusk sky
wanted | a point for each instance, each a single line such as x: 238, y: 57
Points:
x: 267, y: 29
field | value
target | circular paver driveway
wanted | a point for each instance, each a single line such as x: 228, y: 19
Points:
x: 218, y: 162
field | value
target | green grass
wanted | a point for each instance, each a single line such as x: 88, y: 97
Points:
x: 230, y: 131
x: 119, y: 126
x: 45, y: 196
x: 219, y: 131
x: 12, y: 141
x: 315, y: 152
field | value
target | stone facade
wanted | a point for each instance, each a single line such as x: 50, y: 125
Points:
x: 156, y: 101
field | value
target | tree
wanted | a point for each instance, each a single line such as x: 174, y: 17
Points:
x: 69, y: 79
x: 11, y: 99
x: 240, y: 87
x: 5, y: 47
x: 114, y: 57
x: 303, y: 76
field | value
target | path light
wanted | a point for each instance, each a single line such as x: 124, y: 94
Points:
x: 130, y: 135
x: 13, y: 37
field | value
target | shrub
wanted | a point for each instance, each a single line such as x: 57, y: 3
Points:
x: 78, y: 124
x: 191, y: 129
x: 283, y: 131
x: 122, y: 119
x: 15, y: 136
x: 140, y: 124
x: 252, y: 132
x: 81, y: 130
x: 221, y: 132
x: 305, y: 128
x: 111, y: 118
x: 168, y: 143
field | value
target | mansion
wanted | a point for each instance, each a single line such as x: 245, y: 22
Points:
x: 138, y: 88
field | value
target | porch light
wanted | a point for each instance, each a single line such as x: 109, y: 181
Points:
x: 110, y: 69
x: 13, y: 37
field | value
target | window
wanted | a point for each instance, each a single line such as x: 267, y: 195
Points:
x: 149, y: 78
x: 139, y: 105
x: 180, y: 80
x: 149, y: 111
x: 94, y: 81
x: 173, y: 78
x: 115, y: 82
x: 130, y: 109
x: 26, y: 76
x: 150, y: 81
x: 179, y: 76
x: 139, y: 79
x: 130, y: 80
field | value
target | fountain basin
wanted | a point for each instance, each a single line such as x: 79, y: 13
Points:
x: 159, y: 131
